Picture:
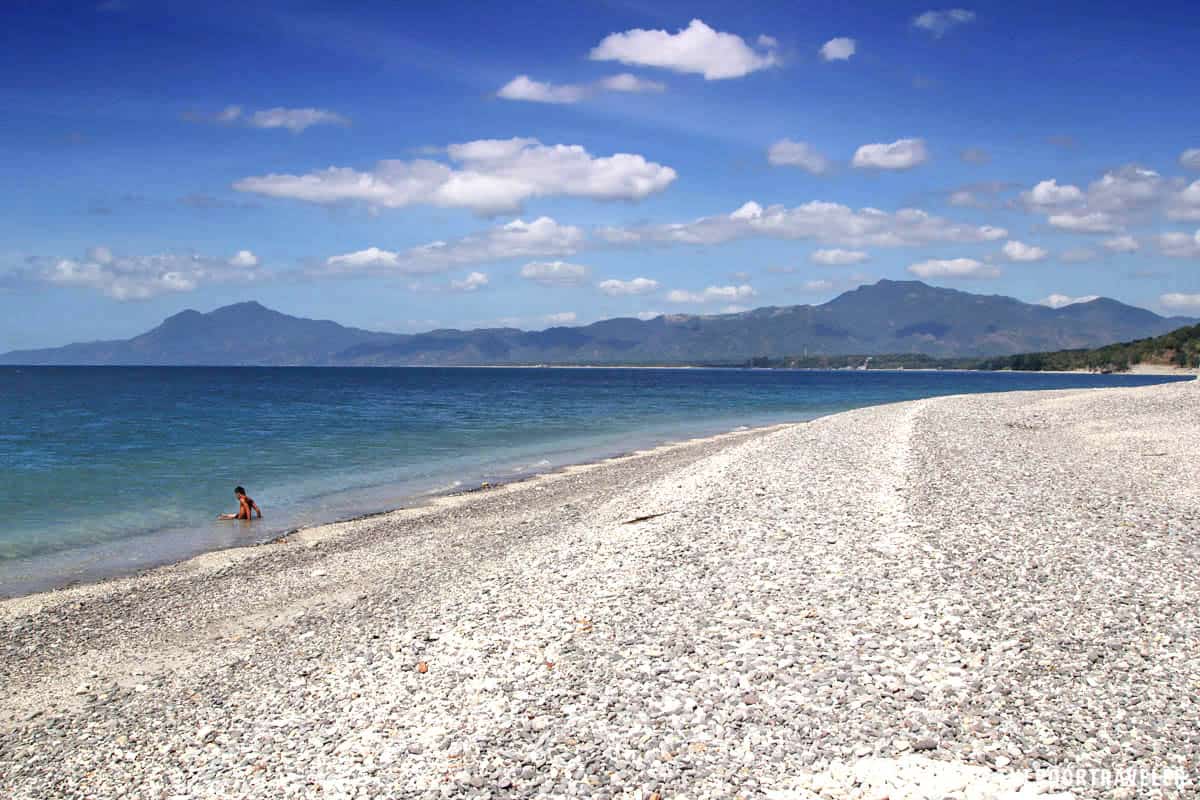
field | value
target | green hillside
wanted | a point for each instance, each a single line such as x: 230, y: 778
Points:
x: 1179, y: 348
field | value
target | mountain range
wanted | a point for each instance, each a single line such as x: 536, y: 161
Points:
x: 885, y: 317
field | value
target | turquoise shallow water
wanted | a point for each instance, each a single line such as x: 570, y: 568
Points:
x: 104, y: 470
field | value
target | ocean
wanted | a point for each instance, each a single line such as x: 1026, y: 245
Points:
x: 106, y: 470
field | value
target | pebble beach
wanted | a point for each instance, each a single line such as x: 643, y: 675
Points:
x: 973, y: 597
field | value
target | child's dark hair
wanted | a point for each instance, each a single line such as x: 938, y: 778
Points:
x: 239, y: 490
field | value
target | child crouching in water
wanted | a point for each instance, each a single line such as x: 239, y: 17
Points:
x: 246, y: 506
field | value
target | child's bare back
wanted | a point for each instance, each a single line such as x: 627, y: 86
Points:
x: 246, y: 506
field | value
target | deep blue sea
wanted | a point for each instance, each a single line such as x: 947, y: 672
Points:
x: 106, y: 470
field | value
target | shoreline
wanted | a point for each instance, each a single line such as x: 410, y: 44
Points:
x: 114, y: 566
x: 974, y: 592
x: 425, y: 501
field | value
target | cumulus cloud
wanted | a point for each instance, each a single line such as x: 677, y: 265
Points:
x: 938, y: 22
x: 648, y: 315
x: 830, y: 223
x: 954, y: 268
x: 1190, y: 158
x: 1127, y: 189
x: 472, y: 283
x: 1116, y: 199
x: 1084, y: 222
x: 295, y: 120
x: 1048, y: 194
x: 901, y: 154
x: 787, y: 153
x: 492, y: 176
x: 555, y: 273
x: 1179, y: 245
x: 561, y: 318
x: 542, y: 237
x: 636, y: 286
x: 144, y: 277
x: 628, y: 82
x: 1185, y: 204
x: 963, y: 198
x: 1019, y: 251
x: 525, y: 88
x: 839, y: 49
x: 696, y: 49
x: 243, y: 258
x: 1177, y: 301
x: 1121, y: 244
x: 837, y: 257
x: 1061, y: 300
x: 713, y: 294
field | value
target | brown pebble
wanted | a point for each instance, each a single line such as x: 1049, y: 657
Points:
x: 422, y: 667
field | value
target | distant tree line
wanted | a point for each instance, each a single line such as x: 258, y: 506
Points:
x: 1179, y: 347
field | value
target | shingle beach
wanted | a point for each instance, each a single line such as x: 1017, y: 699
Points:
x: 976, y: 597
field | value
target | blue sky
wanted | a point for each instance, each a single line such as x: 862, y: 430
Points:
x: 403, y: 167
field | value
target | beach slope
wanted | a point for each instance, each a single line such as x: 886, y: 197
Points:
x: 941, y: 597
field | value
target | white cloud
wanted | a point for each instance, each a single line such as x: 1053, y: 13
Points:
x: 831, y: 223
x: 1178, y: 301
x: 1190, y: 158
x: 786, y: 152
x: 900, y: 154
x: 525, y: 88
x: 1179, y: 245
x: 555, y: 273
x: 1126, y: 189
x: 628, y: 82
x: 648, y: 315
x: 837, y: 257
x: 964, y: 199
x: 964, y: 268
x: 839, y: 49
x: 1084, y: 222
x: 1185, y: 204
x: 617, y: 288
x: 243, y: 258
x: 817, y: 286
x: 1118, y: 198
x: 1048, y: 194
x: 712, y: 294
x: 1019, y: 251
x: 542, y: 237
x: 294, y: 119
x: 1061, y: 300
x: 938, y: 22
x: 561, y: 318
x: 695, y: 49
x: 1121, y: 244
x: 494, y: 176
x: 143, y: 277
x: 471, y: 283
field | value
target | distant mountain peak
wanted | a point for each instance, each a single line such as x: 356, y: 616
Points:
x: 887, y: 317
